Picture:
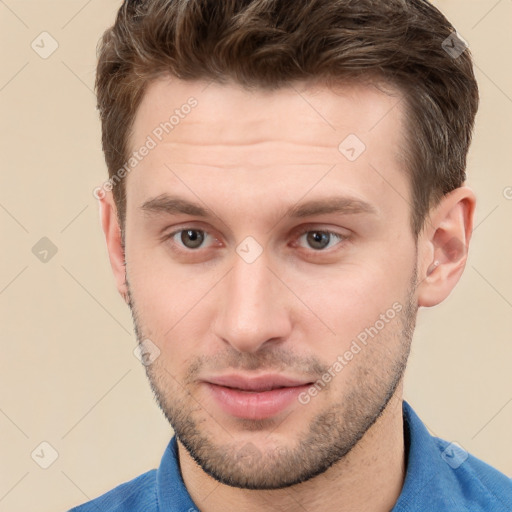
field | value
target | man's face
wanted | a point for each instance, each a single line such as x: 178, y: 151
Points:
x: 268, y: 293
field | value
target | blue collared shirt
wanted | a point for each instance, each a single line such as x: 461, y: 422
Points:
x: 440, y: 477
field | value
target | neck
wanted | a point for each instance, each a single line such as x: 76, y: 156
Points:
x: 369, y: 478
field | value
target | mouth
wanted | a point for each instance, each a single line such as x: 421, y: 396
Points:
x: 255, y: 398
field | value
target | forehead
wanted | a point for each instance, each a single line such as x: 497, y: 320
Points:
x: 231, y: 140
x: 330, y: 111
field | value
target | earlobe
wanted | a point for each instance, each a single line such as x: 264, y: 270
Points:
x: 444, y: 246
x: 112, y: 232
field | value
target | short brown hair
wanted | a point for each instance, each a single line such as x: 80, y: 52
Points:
x: 272, y: 43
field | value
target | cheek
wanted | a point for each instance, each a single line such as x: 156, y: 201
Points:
x: 173, y: 304
x: 353, y: 299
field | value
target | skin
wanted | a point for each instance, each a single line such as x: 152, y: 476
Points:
x: 247, y: 157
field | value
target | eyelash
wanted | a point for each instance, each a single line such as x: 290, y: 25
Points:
x: 341, y: 238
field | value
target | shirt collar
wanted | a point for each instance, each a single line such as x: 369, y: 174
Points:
x: 431, y: 483
x: 171, y: 491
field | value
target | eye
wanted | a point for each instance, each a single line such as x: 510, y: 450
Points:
x: 189, y: 238
x: 193, y: 239
x: 320, y: 240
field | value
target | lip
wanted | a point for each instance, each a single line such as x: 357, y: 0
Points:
x: 256, y: 398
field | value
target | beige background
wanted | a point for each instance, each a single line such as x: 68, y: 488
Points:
x: 68, y: 374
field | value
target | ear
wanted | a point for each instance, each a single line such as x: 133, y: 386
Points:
x: 443, y: 246
x: 112, y: 231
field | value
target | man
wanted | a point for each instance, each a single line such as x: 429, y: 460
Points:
x: 286, y: 188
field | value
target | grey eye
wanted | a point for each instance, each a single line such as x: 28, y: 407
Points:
x: 318, y: 239
x: 192, y: 238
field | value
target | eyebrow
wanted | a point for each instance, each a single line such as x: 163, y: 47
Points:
x: 172, y: 205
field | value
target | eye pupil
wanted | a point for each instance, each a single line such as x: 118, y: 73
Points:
x: 192, y: 238
x: 318, y: 239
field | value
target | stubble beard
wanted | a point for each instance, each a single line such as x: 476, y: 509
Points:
x: 330, y: 435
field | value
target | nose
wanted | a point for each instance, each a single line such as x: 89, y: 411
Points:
x: 253, y: 307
